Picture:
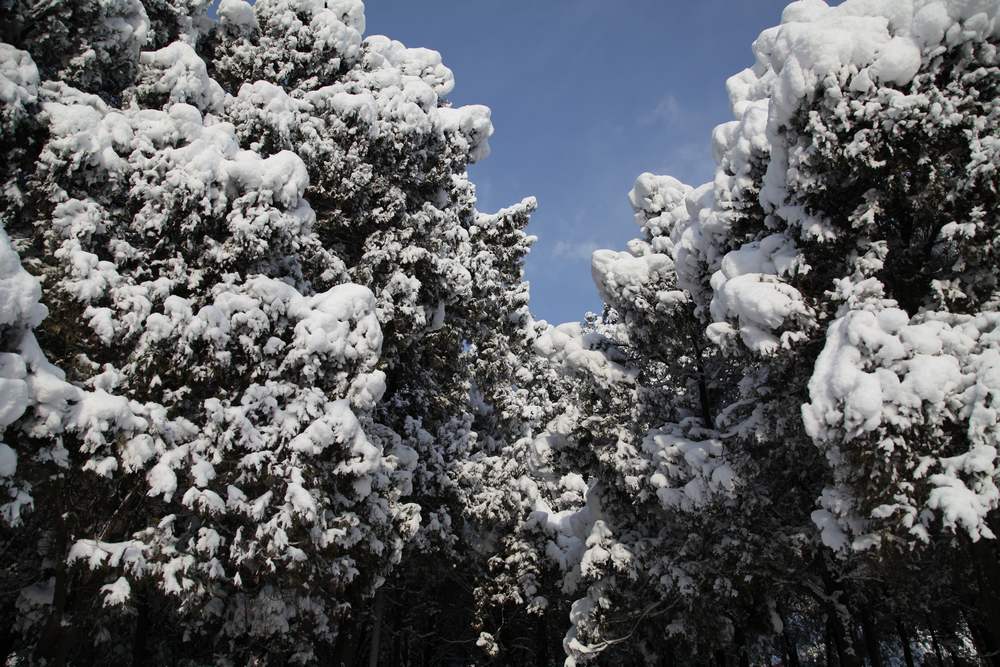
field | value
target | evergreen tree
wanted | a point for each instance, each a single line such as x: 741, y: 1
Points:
x: 790, y: 393
x: 266, y: 280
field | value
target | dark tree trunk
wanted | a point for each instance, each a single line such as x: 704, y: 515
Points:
x: 829, y: 644
x: 376, y: 636
x: 670, y: 659
x: 6, y: 632
x: 840, y: 628
x: 397, y: 634
x: 872, y: 641
x: 541, y: 643
x: 141, y: 631
x: 986, y: 625
x: 53, y: 644
x: 426, y: 654
x: 742, y: 652
x: 707, y: 416
x: 788, y: 643
x: 904, y: 639
x: 935, y: 643
x: 345, y: 647
x: 847, y: 656
x: 956, y: 657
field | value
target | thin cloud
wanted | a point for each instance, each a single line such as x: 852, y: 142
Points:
x: 689, y: 162
x: 574, y: 250
x: 667, y: 111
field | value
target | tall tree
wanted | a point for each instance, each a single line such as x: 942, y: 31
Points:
x: 803, y: 355
x: 265, y: 275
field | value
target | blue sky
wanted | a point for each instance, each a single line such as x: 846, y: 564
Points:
x: 586, y: 95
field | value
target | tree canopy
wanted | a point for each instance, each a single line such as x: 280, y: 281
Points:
x: 271, y: 391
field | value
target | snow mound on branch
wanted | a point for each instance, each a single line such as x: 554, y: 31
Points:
x: 573, y: 350
x: 471, y: 123
x: 399, y: 90
x: 179, y: 74
x: 883, y: 367
x: 237, y: 13
x: 409, y: 84
x: 655, y: 194
x: 659, y: 203
x: 621, y: 275
x: 333, y: 330
x: 749, y: 289
x: 18, y: 85
x: 579, y: 540
x: 338, y: 326
x: 20, y: 312
x: 418, y: 63
x: 96, y: 553
x: 324, y: 29
x: 20, y: 292
x: 879, y: 40
x: 882, y: 372
x: 688, y: 473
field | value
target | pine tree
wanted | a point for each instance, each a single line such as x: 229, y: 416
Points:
x: 804, y: 352
x: 265, y: 276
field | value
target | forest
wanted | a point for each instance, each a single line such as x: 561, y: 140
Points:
x: 272, y: 393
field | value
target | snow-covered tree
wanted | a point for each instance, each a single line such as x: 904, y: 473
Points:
x: 271, y: 391
x: 266, y: 279
x: 797, y: 359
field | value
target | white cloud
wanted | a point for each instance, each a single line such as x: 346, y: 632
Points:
x: 574, y: 249
x: 667, y: 110
x: 690, y: 162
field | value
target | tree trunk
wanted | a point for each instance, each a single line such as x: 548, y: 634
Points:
x: 904, y: 639
x: 935, y: 643
x: 53, y: 644
x: 847, y: 656
x: 872, y: 642
x: 397, y: 634
x: 141, y: 632
x: 791, y: 650
x: 829, y: 644
x: 840, y: 628
x: 426, y: 653
x: 345, y: 646
x: 541, y: 643
x: 981, y: 640
x: 373, y: 650
x: 987, y: 600
x: 7, y: 637
x: 742, y: 653
x: 708, y: 418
